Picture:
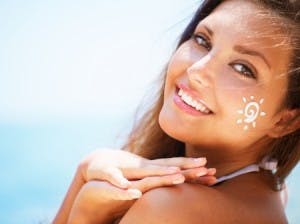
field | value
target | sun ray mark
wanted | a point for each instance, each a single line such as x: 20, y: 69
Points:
x: 250, y: 112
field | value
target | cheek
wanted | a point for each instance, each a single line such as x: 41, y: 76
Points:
x: 176, y: 66
x: 180, y: 60
x: 241, y: 103
x: 174, y: 69
x: 251, y: 114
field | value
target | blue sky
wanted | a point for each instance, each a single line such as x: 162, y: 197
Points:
x: 62, y: 59
x: 71, y: 73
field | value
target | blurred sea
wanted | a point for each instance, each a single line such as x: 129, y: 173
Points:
x: 38, y: 161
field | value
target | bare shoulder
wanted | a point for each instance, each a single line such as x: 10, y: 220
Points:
x: 191, y: 203
x: 178, y: 204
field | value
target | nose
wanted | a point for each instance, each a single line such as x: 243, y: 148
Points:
x: 201, y: 73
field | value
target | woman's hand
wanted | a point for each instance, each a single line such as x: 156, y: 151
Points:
x: 118, y: 167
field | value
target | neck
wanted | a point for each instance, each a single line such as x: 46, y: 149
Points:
x: 225, y: 161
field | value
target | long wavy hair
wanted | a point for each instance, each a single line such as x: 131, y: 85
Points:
x: 150, y: 141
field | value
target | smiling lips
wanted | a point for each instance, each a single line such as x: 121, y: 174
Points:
x: 187, y: 101
x: 193, y: 103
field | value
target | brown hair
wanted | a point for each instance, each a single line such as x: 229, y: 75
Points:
x: 149, y: 140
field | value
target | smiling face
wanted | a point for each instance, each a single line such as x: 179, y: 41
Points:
x: 225, y: 85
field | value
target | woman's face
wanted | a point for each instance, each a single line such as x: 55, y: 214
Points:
x: 225, y: 86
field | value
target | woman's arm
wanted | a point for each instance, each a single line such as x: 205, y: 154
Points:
x: 64, y: 211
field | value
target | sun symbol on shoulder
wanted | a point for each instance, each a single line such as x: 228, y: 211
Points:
x: 250, y: 112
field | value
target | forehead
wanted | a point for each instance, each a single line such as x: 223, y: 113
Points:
x: 243, y: 22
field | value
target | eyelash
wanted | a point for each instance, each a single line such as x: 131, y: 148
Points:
x: 197, y: 36
x: 244, y: 70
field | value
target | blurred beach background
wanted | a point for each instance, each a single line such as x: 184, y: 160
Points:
x: 71, y: 76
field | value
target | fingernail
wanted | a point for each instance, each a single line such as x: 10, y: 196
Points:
x: 212, y: 170
x: 178, y: 180
x: 134, y: 193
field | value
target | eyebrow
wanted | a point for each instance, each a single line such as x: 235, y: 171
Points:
x: 243, y: 50
x: 211, y: 33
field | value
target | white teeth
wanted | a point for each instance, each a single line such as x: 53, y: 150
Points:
x: 180, y: 92
x: 193, y: 103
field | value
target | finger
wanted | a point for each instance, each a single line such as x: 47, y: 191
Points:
x: 198, y: 172
x: 116, y: 177
x: 211, y: 171
x: 149, y: 183
x: 182, y: 162
x: 111, y: 174
x: 195, y: 173
x: 205, y: 180
x: 147, y: 170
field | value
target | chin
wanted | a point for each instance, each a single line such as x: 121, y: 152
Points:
x: 170, y: 127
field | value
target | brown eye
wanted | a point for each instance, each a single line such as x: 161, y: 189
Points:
x: 202, y: 41
x: 244, y: 70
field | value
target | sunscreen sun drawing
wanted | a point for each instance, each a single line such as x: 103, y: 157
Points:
x: 250, y: 112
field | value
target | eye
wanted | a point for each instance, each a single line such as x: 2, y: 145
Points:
x: 202, y: 41
x: 244, y: 70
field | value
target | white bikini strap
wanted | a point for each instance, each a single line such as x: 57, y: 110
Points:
x: 265, y: 164
x: 247, y: 169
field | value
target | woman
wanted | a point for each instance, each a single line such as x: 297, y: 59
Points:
x: 231, y: 94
